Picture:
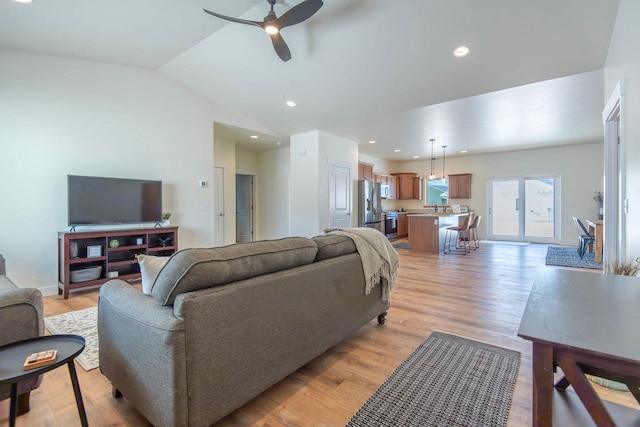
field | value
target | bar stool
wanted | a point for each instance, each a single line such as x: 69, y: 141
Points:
x: 473, y: 228
x: 462, y: 235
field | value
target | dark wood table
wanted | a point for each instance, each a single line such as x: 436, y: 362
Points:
x: 584, y: 323
x: 12, y: 357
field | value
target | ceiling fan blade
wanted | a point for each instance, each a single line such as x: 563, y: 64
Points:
x: 298, y: 13
x: 238, y: 20
x: 281, y: 47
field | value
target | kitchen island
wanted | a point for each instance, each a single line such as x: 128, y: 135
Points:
x: 427, y: 231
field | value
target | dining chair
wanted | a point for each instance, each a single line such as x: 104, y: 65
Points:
x: 584, y: 238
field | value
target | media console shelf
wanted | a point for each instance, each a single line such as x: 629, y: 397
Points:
x: 94, y: 257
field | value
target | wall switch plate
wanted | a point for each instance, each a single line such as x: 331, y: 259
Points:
x: 202, y: 183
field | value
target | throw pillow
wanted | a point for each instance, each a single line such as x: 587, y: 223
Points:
x: 150, y: 266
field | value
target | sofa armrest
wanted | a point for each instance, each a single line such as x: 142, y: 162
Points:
x: 142, y: 352
x: 136, y: 306
x: 21, y: 311
x: 21, y: 317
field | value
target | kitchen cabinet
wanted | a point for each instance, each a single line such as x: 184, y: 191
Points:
x: 424, y: 233
x: 417, y: 187
x: 389, y: 180
x: 409, y: 185
x: 393, y: 187
x: 460, y: 186
x: 365, y: 171
x: 403, y: 225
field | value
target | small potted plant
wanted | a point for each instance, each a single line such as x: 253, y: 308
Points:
x: 599, y: 197
x: 165, y: 219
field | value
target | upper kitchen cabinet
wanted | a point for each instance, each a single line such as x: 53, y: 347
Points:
x: 409, y: 185
x: 389, y: 180
x: 393, y: 187
x: 365, y: 171
x: 460, y: 186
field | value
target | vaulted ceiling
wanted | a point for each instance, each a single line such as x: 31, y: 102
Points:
x: 361, y: 69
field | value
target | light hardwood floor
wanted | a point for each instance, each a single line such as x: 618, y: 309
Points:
x: 481, y: 295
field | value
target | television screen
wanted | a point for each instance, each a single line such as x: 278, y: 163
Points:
x: 95, y: 200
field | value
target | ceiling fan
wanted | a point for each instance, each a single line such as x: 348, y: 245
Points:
x: 272, y: 24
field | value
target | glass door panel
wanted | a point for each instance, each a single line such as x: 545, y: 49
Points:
x: 504, y: 209
x: 524, y: 209
x: 539, y: 196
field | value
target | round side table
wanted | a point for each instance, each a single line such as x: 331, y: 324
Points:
x: 12, y: 357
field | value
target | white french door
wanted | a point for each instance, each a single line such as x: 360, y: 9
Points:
x: 524, y: 209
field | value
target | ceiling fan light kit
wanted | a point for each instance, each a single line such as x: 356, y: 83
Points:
x: 272, y: 25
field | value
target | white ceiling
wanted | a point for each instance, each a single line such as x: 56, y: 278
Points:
x: 361, y: 69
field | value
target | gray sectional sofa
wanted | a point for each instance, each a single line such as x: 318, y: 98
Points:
x: 21, y: 317
x: 222, y: 325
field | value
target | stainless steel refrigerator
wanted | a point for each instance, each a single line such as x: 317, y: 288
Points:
x: 369, y: 205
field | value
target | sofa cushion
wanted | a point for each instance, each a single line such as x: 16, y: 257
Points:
x: 150, y: 266
x: 193, y: 269
x: 333, y: 246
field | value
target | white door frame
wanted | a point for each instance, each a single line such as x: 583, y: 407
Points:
x: 615, y: 202
x: 351, y: 184
x: 254, y: 211
x: 218, y: 211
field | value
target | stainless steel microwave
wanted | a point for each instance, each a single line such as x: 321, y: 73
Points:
x: 384, y: 191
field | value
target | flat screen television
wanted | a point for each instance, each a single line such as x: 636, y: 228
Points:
x: 100, y: 201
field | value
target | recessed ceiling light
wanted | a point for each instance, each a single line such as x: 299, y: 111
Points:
x: 461, y: 51
x: 278, y: 143
x: 416, y: 157
x: 372, y: 142
x: 23, y: 1
x: 291, y: 104
x: 254, y: 137
x: 397, y: 151
x: 463, y: 151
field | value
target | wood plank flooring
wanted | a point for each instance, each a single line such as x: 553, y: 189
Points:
x: 481, y: 296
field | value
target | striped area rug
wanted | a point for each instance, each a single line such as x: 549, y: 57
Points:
x: 447, y: 381
x: 565, y: 256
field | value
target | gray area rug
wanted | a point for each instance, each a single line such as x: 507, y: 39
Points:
x: 447, y: 381
x: 83, y: 323
x: 402, y: 245
x: 568, y: 257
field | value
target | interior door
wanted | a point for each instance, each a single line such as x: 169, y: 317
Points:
x: 339, y: 195
x: 218, y: 209
x: 244, y: 208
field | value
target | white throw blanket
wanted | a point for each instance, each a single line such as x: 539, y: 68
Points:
x: 380, y: 261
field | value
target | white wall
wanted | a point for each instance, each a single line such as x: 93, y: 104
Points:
x: 60, y: 116
x: 623, y: 63
x: 304, y: 183
x: 311, y: 153
x: 273, y: 196
x: 580, y: 168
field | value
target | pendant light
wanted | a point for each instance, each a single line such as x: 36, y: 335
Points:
x: 444, y: 177
x: 432, y: 175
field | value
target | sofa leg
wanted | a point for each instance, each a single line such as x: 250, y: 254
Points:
x: 23, y: 403
x: 116, y: 393
x: 382, y: 318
